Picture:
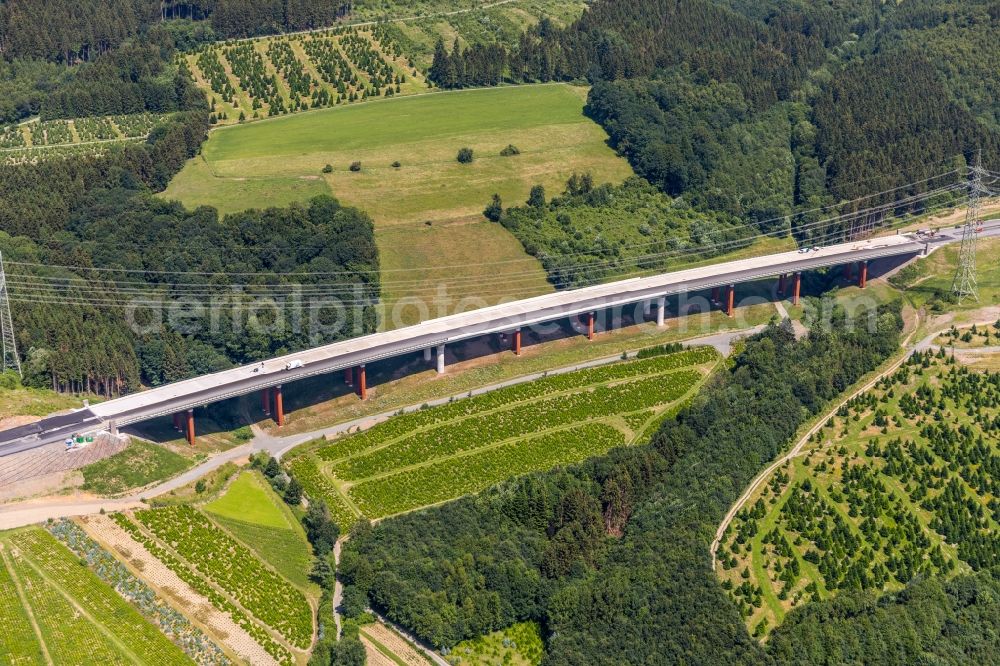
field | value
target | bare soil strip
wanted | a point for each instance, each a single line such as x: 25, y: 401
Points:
x: 174, y: 590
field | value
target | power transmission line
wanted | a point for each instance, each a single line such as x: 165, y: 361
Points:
x: 964, y: 283
x: 62, y: 291
x: 10, y: 357
x: 112, y: 291
x: 791, y: 216
x: 50, y: 290
x: 817, y: 225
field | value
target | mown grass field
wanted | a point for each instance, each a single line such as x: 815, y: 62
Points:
x: 896, y: 485
x: 433, y: 455
x: 53, y: 610
x: 462, y: 264
x: 427, y: 211
x: 197, y: 185
x: 251, y: 512
x: 424, y: 134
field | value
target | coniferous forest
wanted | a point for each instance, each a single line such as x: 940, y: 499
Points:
x: 87, y: 242
x: 770, y: 110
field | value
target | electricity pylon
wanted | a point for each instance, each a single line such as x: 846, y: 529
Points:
x: 10, y: 357
x: 964, y: 283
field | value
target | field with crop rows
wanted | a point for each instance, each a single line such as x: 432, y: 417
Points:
x: 80, y: 618
x: 277, y: 75
x: 201, y: 585
x: 235, y: 569
x: 316, y: 484
x: 436, y: 454
x: 17, y: 640
x: 155, y: 610
x: 904, y: 481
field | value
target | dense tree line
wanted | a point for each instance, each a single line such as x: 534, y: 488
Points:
x: 96, y: 212
x: 931, y: 622
x: 703, y: 140
x: 767, y: 59
x: 935, y: 27
x: 132, y: 76
x: 889, y: 119
x: 220, y: 291
x: 611, y: 556
x: 772, y: 110
x: 72, y: 32
x: 594, y: 232
x: 248, y: 18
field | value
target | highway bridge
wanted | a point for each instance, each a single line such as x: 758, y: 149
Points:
x: 430, y: 337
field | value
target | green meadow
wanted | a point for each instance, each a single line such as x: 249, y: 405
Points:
x: 252, y: 513
x: 419, y: 205
x: 274, y: 161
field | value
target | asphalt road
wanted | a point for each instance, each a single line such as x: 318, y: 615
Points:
x: 48, y: 430
x: 203, y: 390
x: 18, y: 514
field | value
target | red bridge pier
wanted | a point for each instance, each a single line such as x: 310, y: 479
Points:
x: 362, y: 383
x: 279, y: 406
